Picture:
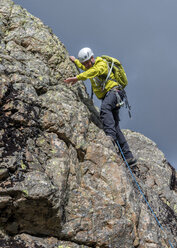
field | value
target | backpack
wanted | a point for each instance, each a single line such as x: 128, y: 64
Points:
x: 118, y: 70
x: 120, y: 76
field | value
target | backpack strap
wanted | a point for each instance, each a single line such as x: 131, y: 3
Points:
x: 109, y: 73
x: 103, y: 83
x: 91, y: 93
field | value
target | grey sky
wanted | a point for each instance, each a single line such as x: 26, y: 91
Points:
x: 142, y: 35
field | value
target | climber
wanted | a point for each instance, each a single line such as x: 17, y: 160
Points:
x: 96, y: 69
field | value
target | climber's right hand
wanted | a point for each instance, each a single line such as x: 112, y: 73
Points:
x: 71, y: 80
x: 72, y: 58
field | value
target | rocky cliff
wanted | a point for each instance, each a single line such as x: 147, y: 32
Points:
x: 62, y: 183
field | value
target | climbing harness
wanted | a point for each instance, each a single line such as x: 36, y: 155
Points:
x: 120, y: 102
x: 127, y: 105
x: 141, y: 191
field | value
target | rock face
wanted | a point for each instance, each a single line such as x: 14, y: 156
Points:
x: 62, y: 183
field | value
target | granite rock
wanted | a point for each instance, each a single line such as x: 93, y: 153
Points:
x: 62, y: 182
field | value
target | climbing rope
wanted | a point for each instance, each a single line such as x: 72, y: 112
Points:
x: 120, y: 149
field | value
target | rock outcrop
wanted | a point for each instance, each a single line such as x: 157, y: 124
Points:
x: 62, y: 183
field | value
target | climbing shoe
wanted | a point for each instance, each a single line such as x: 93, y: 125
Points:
x: 131, y: 161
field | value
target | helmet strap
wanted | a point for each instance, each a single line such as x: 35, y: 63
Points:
x: 92, y: 59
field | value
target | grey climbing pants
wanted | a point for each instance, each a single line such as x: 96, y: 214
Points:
x: 109, y: 115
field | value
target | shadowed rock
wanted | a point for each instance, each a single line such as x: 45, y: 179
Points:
x: 62, y: 183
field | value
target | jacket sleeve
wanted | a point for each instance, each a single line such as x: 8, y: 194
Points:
x: 79, y: 65
x: 97, y: 70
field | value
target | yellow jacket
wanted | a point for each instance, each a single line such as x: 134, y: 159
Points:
x: 97, y: 75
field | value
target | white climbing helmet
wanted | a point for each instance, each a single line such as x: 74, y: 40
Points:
x: 85, y: 54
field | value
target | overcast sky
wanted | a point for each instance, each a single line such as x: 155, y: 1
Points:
x: 142, y: 34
